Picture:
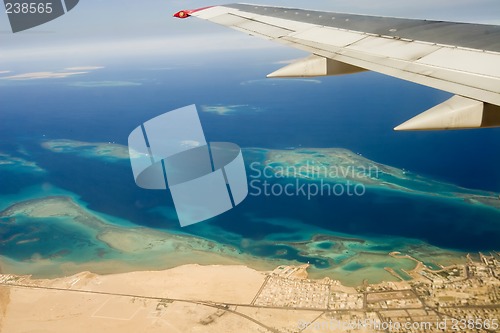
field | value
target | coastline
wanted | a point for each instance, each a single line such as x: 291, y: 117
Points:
x: 225, y: 298
x: 119, y: 249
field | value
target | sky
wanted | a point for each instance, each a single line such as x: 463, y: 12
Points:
x: 114, y: 42
x: 99, y: 31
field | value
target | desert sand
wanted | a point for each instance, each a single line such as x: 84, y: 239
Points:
x: 182, y: 299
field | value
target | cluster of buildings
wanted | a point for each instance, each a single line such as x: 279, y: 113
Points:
x: 457, y: 298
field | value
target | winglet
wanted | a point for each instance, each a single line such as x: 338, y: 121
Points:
x: 187, y: 12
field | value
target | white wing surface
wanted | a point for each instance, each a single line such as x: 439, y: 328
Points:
x: 460, y: 58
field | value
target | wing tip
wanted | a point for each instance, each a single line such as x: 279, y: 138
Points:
x: 182, y: 14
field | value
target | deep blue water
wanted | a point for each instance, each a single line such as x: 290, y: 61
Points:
x: 356, y: 112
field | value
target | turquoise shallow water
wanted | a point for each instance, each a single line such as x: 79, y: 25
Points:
x: 281, y: 228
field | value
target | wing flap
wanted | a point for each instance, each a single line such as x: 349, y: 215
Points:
x: 244, y: 24
x: 460, y: 83
x: 286, y: 24
x: 228, y: 20
x: 329, y: 36
x: 294, y: 26
x: 256, y: 27
x: 473, y: 83
x: 397, y: 49
x: 471, y: 61
x: 211, y: 12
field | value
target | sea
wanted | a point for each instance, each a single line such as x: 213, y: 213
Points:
x: 356, y: 112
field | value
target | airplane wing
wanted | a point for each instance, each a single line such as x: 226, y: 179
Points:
x: 461, y: 58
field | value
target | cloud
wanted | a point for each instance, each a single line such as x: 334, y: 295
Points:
x: 275, y: 82
x: 155, y: 33
x: 286, y: 62
x: 42, y: 75
x: 83, y: 68
x: 67, y: 72
x: 190, y: 143
x: 161, y: 69
x: 223, y: 110
x: 103, y: 84
x: 158, y: 46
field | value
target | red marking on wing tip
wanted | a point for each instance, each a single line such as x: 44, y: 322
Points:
x: 183, y: 14
x: 187, y: 12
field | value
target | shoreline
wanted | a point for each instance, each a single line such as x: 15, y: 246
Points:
x: 225, y: 298
x: 142, y: 249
